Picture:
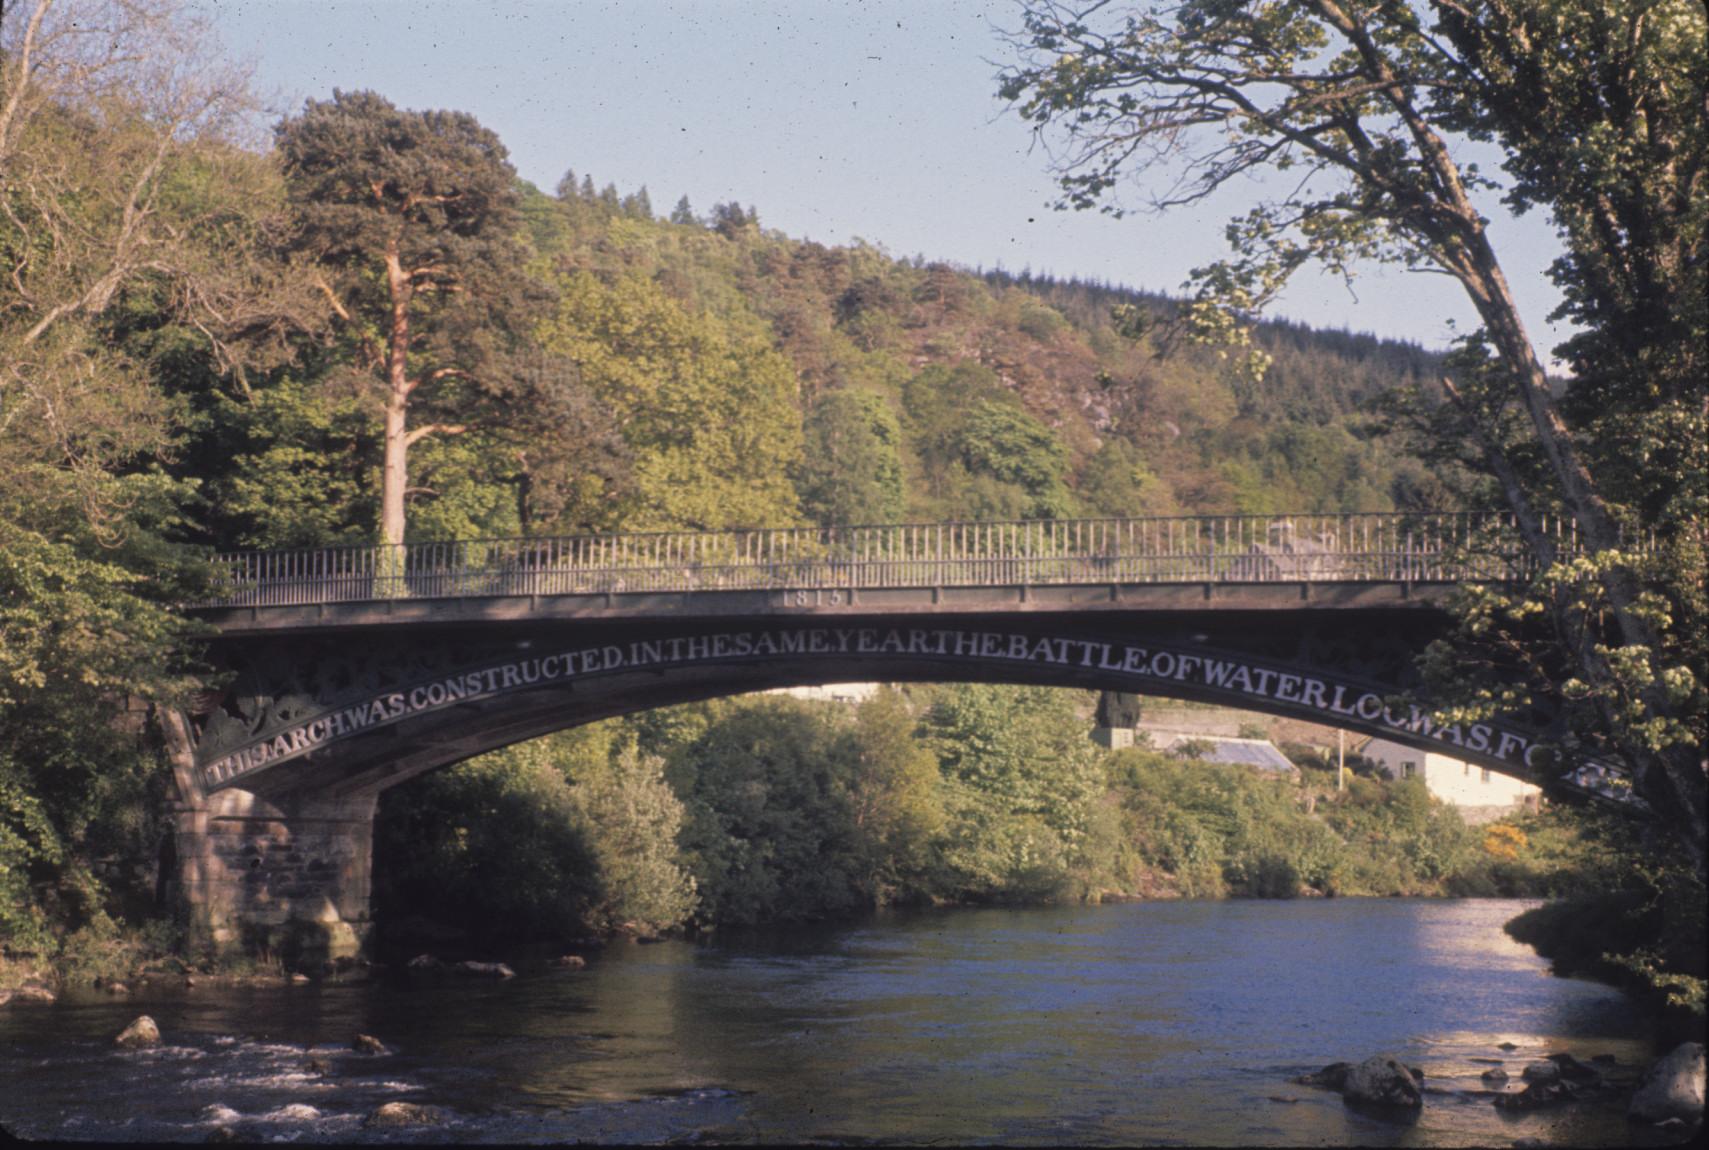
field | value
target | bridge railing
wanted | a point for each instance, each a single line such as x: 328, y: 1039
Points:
x: 1458, y: 547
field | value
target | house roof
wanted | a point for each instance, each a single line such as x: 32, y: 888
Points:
x: 1259, y: 753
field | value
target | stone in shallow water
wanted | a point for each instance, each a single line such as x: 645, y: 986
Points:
x: 1494, y: 1074
x: 1383, y: 1080
x: 485, y: 969
x: 1535, y: 1096
x: 1540, y: 1072
x: 1331, y: 1077
x: 1572, y: 1069
x: 404, y: 1114
x: 368, y: 1044
x: 141, y: 1032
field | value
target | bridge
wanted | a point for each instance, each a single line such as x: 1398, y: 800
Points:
x: 355, y: 669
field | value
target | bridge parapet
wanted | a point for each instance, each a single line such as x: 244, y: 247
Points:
x: 1356, y: 548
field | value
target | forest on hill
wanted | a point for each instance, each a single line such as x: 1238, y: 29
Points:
x: 704, y: 373
x: 373, y: 330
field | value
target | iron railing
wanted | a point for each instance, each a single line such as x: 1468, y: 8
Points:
x: 1457, y: 547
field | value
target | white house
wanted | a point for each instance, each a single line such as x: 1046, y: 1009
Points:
x: 1480, y: 793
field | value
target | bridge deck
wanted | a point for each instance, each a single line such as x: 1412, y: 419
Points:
x: 784, y: 602
x: 910, y: 566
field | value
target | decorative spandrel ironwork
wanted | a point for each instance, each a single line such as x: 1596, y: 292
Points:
x: 1451, y: 548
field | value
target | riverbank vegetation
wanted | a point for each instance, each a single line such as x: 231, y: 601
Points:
x: 199, y: 349
x: 765, y: 809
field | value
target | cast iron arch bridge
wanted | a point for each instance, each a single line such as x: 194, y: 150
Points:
x: 355, y: 669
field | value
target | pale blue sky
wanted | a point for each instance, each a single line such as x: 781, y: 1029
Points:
x: 837, y: 120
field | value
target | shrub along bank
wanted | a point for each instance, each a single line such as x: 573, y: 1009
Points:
x: 772, y: 809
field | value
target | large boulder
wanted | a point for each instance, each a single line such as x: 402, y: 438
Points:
x: 1541, y: 1071
x: 1382, y: 1080
x: 368, y: 1044
x: 1672, y: 1088
x: 394, y: 1114
x: 141, y: 1032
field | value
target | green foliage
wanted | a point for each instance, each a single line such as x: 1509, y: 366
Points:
x: 493, y: 846
x: 1633, y: 912
x: 769, y: 834
x: 1022, y: 784
x: 78, y: 637
x: 1010, y: 446
x: 285, y: 465
x: 707, y: 411
x: 411, y: 220
x: 632, y: 817
x: 851, y: 470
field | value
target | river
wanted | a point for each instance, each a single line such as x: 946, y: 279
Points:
x: 1173, y: 1023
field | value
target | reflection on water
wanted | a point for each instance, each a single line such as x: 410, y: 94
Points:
x: 1155, y: 1022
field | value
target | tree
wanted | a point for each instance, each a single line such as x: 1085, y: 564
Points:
x: 851, y: 470
x: 731, y: 222
x: 632, y: 818
x: 130, y: 219
x: 707, y: 410
x: 638, y: 206
x: 683, y: 213
x: 1364, y: 107
x: 1004, y: 442
x: 891, y: 783
x: 414, y: 215
x: 119, y: 180
x: 1023, y: 785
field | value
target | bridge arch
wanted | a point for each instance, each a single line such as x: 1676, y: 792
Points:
x: 275, y: 838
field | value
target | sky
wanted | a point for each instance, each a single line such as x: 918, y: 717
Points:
x: 837, y: 120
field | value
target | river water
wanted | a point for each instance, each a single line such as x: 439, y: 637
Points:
x: 1172, y: 1023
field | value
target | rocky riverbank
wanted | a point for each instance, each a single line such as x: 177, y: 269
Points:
x: 1667, y: 1095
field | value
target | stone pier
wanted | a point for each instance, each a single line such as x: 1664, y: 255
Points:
x: 287, y: 879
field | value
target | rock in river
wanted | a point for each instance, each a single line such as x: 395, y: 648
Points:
x: 368, y: 1044
x: 1331, y: 1077
x: 1672, y: 1088
x: 1572, y: 1069
x: 1383, y: 1080
x: 404, y: 1114
x: 1541, y: 1071
x: 141, y: 1032
x: 1535, y: 1096
x: 485, y: 969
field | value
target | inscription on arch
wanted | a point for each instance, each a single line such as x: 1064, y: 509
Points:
x: 1236, y: 679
